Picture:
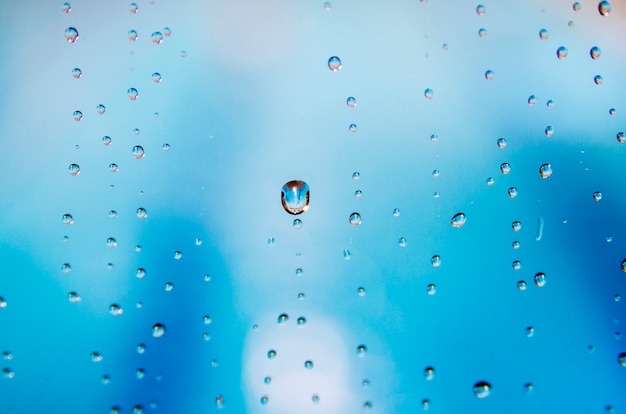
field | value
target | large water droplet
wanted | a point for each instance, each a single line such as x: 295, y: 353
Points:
x: 458, y: 220
x: 351, y: 102
x: 71, y: 34
x: 138, y: 151
x: 355, y: 219
x: 512, y: 192
x: 576, y: 6
x: 141, y: 213
x: 295, y: 196
x: 482, y: 389
x: 158, y: 330
x: 621, y: 359
x: 604, y: 7
x: 501, y: 143
x: 595, y: 52
x: 156, y: 38
x: 67, y: 219
x: 545, y: 170
x: 540, y: 279
x: 132, y: 94
x: 132, y: 35
x: 561, y: 52
x: 334, y: 63
x: 73, y: 169
x: 283, y: 318
x: 505, y: 167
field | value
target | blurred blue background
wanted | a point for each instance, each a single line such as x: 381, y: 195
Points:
x: 246, y: 103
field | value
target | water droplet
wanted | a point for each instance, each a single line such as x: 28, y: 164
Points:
x: 545, y: 170
x: 576, y: 6
x: 429, y: 373
x: 8, y: 373
x: 428, y: 93
x: 458, y: 220
x: 156, y: 38
x: 361, y: 291
x: 549, y: 103
x: 308, y: 365
x: 435, y: 261
x: 480, y: 10
x: 346, y: 254
x: 543, y: 34
x: 355, y: 219
x: 621, y: 137
x: 283, y: 318
x: 595, y: 52
x: 169, y: 287
x: 482, y: 389
x: 501, y: 142
x: 158, y: 330
x: 489, y: 75
x: 140, y: 273
x: 516, y: 226
x: 326, y: 6
x: 178, y: 255
x: 532, y: 99
x: 597, y: 196
x: 361, y: 351
x: 517, y: 265
x: 334, y: 63
x: 132, y: 94
x: 156, y: 77
x: 604, y: 7
x: 67, y: 219
x: 73, y: 169
x: 132, y: 35
x: 530, y: 331
x: 66, y: 8
x: 540, y: 279
x: 106, y: 140
x: 598, y: 80
x: 100, y: 109
x: 505, y: 167
x: 141, y: 213
x: 561, y: 52
x: 521, y: 285
x: 624, y: 265
x: 549, y: 130
x: 315, y: 398
x: 167, y: 32
x: 621, y: 359
x: 264, y: 400
x: 77, y: 73
x: 271, y: 354
x: 482, y: 32
x: 396, y: 212
x: 351, y: 102
x: 111, y: 242
x: 512, y: 192
x: 301, y: 321
x: 617, y: 298
x: 490, y: 181
x: 138, y: 151
x: 297, y: 224
x: 295, y: 196
x: 115, y: 310
x: 356, y: 176
x: 528, y: 387
x: 7, y: 355
x: 570, y: 23
x: 267, y: 380
x: 352, y: 128
x: 73, y: 297
x: 66, y: 268
x: 113, y: 167
x: 77, y: 115
x: 71, y: 34
x: 402, y: 242
x: 436, y: 195
x: 132, y: 8
x: 358, y: 193
x: 96, y: 357
x: 431, y: 289
x: 3, y: 303
x: 166, y: 147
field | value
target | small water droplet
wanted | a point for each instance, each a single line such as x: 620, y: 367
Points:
x: 598, y: 80
x: 517, y: 265
x: 431, y: 289
x: 158, y: 330
x: 458, y: 220
x: 356, y: 176
x: 73, y: 169
x: 482, y: 389
x: 327, y: 6
x: 352, y: 128
x: 301, y: 321
x: 570, y: 23
x: 396, y: 212
x: 361, y: 351
x: 283, y: 318
x: 358, y: 194
x: 66, y: 8
x: 132, y: 35
x: 351, y: 102
x: 501, y: 143
x: 480, y: 10
x: 361, y: 291
x: 3, y: 303
x: 140, y: 273
x: 267, y: 380
x: 428, y: 93
x: 115, y: 310
x: 576, y: 6
x: 532, y: 99
x: 543, y: 34
x: 402, y: 242
x: 315, y: 398
x: 490, y: 181
x: 111, y: 242
x: 8, y: 373
x: 73, y: 297
x: 167, y: 32
x: 66, y: 268
x: 604, y: 7
x: 482, y: 32
x: 113, y: 167
x: 445, y: 47
x: 132, y: 94
x: 138, y: 152
x: 435, y: 261
x: 595, y: 52
x: 106, y: 140
x: 355, y: 219
x: 297, y: 224
x: 540, y: 279
x: 621, y: 137
x: 264, y: 400
x: 597, y: 196
x: 516, y: 226
x: 96, y: 357
x: 169, y: 287
x: 346, y: 254
x: 156, y: 38
x: 334, y: 63
x: 561, y: 52
x: 545, y: 170
x: 505, y: 168
x: 528, y: 387
x: 295, y: 196
x: 512, y: 192
x: 166, y: 147
x: 612, y: 112
x: 67, y: 219
x: 521, y: 285
x: 271, y: 354
x: 549, y: 131
x: 71, y: 34
x: 489, y: 75
x: 77, y: 73
x: 530, y: 331
x: 100, y: 109
x: 132, y: 8
x: 429, y: 373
